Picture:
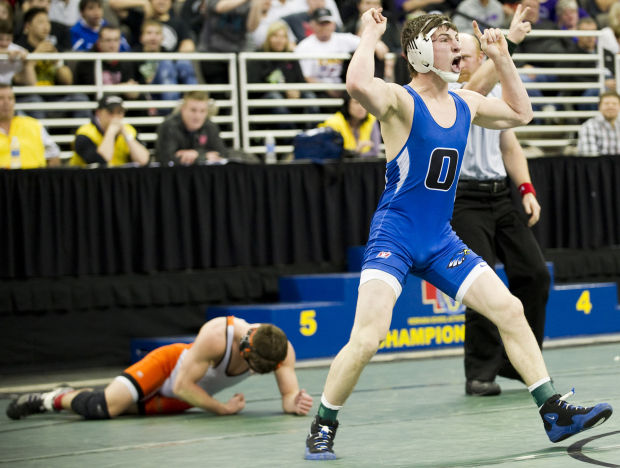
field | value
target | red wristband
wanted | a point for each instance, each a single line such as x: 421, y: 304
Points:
x: 526, y: 188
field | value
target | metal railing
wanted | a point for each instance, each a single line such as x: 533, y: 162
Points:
x: 551, y: 130
x: 228, y: 106
x: 247, y: 117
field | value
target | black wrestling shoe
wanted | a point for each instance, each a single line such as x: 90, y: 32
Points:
x: 562, y: 420
x: 320, y: 440
x: 25, y: 405
x: 481, y: 388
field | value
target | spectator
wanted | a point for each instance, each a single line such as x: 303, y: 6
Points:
x: 188, y: 136
x: 599, y: 10
x: 48, y: 72
x: 271, y: 11
x: 280, y: 71
x: 610, y: 38
x: 114, y: 71
x: 36, y: 39
x: 6, y: 11
x: 488, y: 14
x: 327, y: 41
x: 17, y: 69
x: 297, y: 13
x: 548, y: 10
x: 533, y: 45
x: 299, y: 23
x: 59, y: 35
x: 600, y: 135
x: 85, y: 32
x: 359, y: 129
x: 107, y: 139
x: 391, y: 38
x: 406, y: 8
x: 586, y: 45
x: 162, y: 72
x: 279, y: 9
x: 566, y: 14
x: 226, y: 25
x: 192, y: 15
x: 176, y: 35
x: 65, y: 12
x: 24, y: 142
x: 551, y: 45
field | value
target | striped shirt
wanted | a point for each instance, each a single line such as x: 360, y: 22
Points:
x: 597, y: 137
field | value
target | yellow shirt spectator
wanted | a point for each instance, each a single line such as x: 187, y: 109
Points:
x: 359, y: 129
x: 93, y: 137
x: 107, y: 139
x: 26, y: 134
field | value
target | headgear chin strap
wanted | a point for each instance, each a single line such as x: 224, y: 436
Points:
x: 245, y: 344
x: 421, y: 57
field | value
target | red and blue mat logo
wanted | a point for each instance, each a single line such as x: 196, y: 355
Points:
x: 441, y: 302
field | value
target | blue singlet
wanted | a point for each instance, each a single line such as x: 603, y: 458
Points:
x: 411, y: 231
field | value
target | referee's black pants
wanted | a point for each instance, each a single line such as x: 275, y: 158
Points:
x: 492, y: 227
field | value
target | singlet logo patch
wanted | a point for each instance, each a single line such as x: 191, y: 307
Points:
x: 384, y: 254
x: 458, y: 258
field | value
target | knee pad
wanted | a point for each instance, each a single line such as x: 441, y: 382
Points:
x: 91, y: 405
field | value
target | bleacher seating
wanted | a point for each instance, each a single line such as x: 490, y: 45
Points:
x: 245, y: 121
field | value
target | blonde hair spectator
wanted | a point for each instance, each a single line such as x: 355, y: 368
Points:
x: 281, y: 28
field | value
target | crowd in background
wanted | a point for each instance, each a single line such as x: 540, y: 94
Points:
x: 324, y: 26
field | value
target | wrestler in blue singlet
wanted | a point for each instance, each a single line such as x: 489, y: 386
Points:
x: 411, y: 231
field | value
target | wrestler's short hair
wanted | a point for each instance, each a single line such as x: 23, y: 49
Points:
x: 420, y: 26
x: 264, y: 348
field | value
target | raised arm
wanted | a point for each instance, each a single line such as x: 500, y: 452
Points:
x: 514, y: 108
x: 377, y: 96
x: 483, y: 80
x: 294, y: 400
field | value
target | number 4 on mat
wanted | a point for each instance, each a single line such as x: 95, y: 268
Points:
x: 583, y: 303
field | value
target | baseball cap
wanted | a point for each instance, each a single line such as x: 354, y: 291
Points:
x: 111, y: 103
x: 322, y: 15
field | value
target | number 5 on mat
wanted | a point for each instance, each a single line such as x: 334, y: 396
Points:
x: 307, y: 322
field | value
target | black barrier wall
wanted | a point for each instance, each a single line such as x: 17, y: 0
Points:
x: 127, y: 247
x: 141, y: 220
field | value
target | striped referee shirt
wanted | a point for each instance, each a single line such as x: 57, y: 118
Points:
x: 597, y: 137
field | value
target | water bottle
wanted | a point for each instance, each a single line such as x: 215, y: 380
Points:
x: 270, y: 149
x: 16, y: 159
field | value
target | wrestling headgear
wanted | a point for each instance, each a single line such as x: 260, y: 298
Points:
x: 420, y: 54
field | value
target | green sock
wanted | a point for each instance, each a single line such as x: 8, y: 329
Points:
x: 326, y: 413
x: 543, y: 392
